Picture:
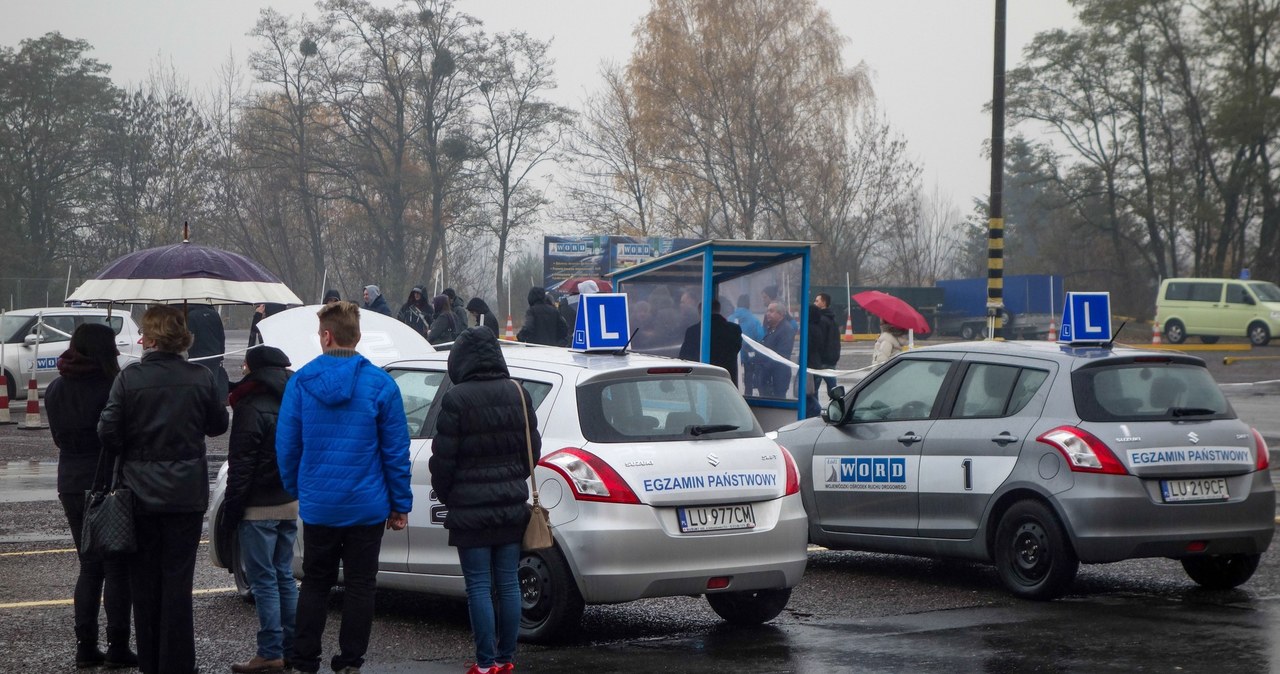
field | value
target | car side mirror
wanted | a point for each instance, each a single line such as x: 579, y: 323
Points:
x: 834, y: 413
x: 30, y: 340
x: 836, y: 392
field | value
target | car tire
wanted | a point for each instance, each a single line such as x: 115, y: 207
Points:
x: 1259, y: 334
x: 550, y: 604
x: 1032, y: 552
x: 968, y: 332
x: 1208, y: 339
x: 751, y: 607
x: 1175, y: 332
x: 1221, y: 572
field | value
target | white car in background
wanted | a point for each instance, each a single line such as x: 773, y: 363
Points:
x: 659, y: 482
x: 25, y: 350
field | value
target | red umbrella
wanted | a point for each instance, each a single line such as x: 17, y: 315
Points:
x: 892, y: 310
x: 570, y: 285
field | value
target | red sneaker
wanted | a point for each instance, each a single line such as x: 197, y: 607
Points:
x: 505, y: 668
x: 477, y: 669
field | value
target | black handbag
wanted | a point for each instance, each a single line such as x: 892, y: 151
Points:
x: 108, y: 520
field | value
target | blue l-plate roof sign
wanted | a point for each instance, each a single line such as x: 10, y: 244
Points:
x: 1086, y: 317
x: 602, y: 324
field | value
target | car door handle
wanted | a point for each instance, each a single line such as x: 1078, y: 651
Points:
x: 1004, y: 439
x: 909, y: 438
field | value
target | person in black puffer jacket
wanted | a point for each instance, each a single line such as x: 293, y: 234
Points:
x: 258, y: 509
x: 542, y: 323
x: 156, y: 420
x: 480, y: 470
x: 74, y: 402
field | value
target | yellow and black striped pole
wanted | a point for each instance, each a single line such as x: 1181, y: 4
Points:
x: 995, y: 221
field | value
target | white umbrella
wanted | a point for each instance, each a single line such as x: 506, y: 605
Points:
x: 382, y: 339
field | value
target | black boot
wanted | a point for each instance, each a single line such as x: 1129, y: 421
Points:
x: 118, y: 653
x: 88, y: 655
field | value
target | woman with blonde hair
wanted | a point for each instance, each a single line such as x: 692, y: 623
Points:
x: 155, y: 422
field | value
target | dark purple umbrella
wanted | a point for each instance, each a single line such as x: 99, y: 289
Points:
x: 184, y: 271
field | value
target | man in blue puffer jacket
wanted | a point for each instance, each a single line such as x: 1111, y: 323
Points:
x: 342, y: 443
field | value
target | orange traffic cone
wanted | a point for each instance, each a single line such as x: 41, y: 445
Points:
x: 510, y: 332
x: 848, y: 329
x: 33, y: 420
x: 5, y: 420
x: 1155, y: 331
x: 1053, y: 330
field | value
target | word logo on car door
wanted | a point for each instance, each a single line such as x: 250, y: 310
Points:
x: 866, y: 473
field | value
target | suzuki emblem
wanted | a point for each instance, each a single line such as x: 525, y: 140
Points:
x: 713, y: 460
x: 1195, y: 439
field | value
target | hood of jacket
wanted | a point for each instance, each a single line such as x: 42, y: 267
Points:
x: 265, y: 380
x: 332, y: 379
x: 475, y: 354
x: 478, y: 305
x: 537, y: 296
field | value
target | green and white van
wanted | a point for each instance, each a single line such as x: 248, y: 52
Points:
x: 1215, y: 307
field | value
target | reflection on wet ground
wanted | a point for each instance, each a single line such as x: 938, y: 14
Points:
x: 24, y: 481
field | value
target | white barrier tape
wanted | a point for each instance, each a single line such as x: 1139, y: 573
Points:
x: 765, y: 351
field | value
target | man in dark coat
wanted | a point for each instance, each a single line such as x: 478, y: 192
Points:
x: 542, y: 323
x: 480, y: 310
x: 374, y: 301
x: 779, y: 337
x: 210, y: 343
x: 726, y: 342
x: 479, y: 467
x: 824, y: 340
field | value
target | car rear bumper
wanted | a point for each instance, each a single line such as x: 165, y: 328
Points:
x: 1111, y: 518
x: 626, y: 552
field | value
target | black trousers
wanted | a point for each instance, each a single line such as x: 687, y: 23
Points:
x: 99, y: 582
x: 323, y: 548
x: 162, y: 574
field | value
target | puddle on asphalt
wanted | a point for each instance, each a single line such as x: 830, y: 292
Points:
x: 25, y: 481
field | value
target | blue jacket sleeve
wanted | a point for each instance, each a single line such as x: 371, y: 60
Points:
x: 289, y: 437
x: 393, y: 437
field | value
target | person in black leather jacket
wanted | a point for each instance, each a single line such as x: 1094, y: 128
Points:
x: 542, y: 323
x: 257, y: 507
x: 480, y: 469
x: 74, y: 402
x: 156, y: 420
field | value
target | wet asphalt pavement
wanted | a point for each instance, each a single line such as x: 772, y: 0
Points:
x: 853, y: 612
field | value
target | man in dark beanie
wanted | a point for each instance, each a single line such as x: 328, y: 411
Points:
x: 258, y: 508
x: 330, y: 296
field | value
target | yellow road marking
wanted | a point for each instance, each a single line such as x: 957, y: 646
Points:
x: 68, y: 602
x: 50, y: 552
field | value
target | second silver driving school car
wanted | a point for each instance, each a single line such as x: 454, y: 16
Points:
x: 1038, y: 457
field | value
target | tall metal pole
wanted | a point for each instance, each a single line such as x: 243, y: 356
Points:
x: 995, y: 221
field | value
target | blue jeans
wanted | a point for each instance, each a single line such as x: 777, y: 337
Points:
x: 266, y: 550
x: 495, y: 617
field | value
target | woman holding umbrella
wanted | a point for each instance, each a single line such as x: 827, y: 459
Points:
x: 889, y: 344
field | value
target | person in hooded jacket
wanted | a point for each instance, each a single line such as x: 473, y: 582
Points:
x: 374, y: 301
x: 479, y: 309
x: 74, y: 401
x: 445, y: 327
x: 342, y: 446
x: 156, y: 419
x: 416, y: 312
x: 480, y: 469
x: 542, y: 323
x: 458, y: 307
x: 256, y: 506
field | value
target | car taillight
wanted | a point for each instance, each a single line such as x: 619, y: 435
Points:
x: 1084, y: 452
x: 793, y: 474
x: 590, y: 478
x: 1263, y: 460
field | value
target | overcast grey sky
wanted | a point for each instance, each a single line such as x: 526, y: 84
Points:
x: 931, y: 59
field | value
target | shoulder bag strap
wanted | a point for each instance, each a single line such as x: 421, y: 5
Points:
x: 528, y: 441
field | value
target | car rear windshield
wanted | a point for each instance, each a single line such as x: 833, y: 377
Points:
x: 1148, y: 392
x: 663, y: 407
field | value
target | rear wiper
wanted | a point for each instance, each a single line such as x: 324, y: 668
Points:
x: 710, y: 428
x: 1190, y: 411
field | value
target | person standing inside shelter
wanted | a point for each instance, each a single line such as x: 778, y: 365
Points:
x: 74, y: 401
x: 374, y: 301
x: 256, y: 506
x: 342, y: 446
x: 156, y: 419
x: 753, y: 329
x: 480, y: 470
x: 542, y: 323
x: 779, y: 337
x: 726, y: 342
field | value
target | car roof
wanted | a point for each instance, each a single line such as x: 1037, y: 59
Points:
x: 537, y: 356
x: 1068, y: 355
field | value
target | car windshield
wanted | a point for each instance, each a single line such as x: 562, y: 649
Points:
x: 1148, y: 392
x: 664, y: 408
x: 1266, y: 291
x: 11, y: 331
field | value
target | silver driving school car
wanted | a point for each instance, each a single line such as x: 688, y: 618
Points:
x: 1037, y: 457
x: 658, y: 479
